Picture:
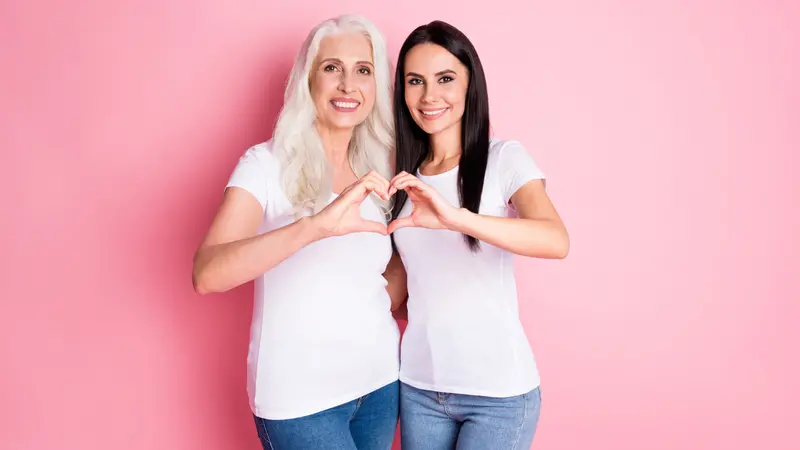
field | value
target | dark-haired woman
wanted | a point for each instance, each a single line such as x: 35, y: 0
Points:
x: 469, y: 378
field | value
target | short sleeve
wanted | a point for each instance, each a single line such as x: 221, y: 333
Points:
x: 252, y: 173
x: 516, y: 167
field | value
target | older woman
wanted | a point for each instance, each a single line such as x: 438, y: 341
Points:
x: 305, y: 215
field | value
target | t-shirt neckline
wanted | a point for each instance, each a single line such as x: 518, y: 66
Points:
x: 445, y: 173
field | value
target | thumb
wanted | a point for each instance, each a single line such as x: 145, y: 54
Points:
x: 371, y: 226
x: 401, y: 223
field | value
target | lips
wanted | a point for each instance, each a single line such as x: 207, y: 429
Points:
x: 345, y: 104
x: 433, y: 114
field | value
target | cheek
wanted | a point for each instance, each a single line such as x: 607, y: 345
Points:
x: 412, y: 98
x: 456, y: 96
x: 320, y: 88
x: 368, y: 89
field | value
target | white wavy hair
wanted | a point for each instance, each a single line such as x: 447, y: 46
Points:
x: 306, y: 176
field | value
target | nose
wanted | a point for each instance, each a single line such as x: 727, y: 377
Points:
x: 345, y: 83
x: 429, y: 95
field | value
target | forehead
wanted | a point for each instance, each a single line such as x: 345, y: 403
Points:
x: 430, y: 58
x: 348, y: 47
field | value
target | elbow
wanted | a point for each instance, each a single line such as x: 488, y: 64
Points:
x: 562, y: 249
x: 202, y: 282
x: 199, y: 286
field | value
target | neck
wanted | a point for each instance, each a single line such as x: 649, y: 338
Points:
x: 445, y: 145
x: 336, y: 143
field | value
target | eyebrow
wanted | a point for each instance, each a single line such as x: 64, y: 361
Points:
x: 438, y: 74
x: 337, y: 60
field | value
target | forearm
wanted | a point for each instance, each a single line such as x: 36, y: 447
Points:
x: 538, y: 238
x: 221, y: 267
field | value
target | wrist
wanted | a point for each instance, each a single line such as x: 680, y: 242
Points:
x: 460, y: 220
x: 311, y: 228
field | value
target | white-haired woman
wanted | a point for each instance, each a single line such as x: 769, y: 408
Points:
x: 304, y: 215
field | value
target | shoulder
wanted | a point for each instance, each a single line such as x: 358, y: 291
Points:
x: 506, y: 151
x: 256, y: 172
x: 260, y: 154
x: 512, y: 165
x: 260, y: 159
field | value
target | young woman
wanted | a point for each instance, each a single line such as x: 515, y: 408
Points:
x: 469, y: 379
x: 304, y: 215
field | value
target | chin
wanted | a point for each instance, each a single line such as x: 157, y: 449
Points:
x: 430, y: 128
x: 346, y: 124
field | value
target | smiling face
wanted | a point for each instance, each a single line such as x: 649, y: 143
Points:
x: 436, y: 87
x: 342, y: 81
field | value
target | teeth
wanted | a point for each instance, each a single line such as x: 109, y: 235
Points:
x: 433, y: 113
x: 345, y: 104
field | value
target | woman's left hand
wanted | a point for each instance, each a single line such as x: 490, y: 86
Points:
x: 429, y: 209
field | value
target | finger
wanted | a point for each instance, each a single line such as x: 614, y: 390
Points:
x: 410, y: 181
x: 397, y: 181
x: 393, y: 184
x: 380, y: 190
x: 392, y: 188
x: 371, y: 226
x: 366, y: 186
x: 379, y: 180
x: 377, y: 176
x: 376, y: 184
x: 399, y: 175
x: 400, y: 223
x: 415, y: 194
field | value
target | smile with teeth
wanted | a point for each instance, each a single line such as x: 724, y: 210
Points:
x: 346, y: 105
x: 433, y: 113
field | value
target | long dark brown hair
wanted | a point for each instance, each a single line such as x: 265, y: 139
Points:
x: 413, y: 144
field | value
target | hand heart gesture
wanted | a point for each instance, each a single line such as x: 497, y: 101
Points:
x: 343, y: 215
x: 429, y: 209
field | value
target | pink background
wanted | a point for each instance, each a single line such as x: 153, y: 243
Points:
x: 669, y: 131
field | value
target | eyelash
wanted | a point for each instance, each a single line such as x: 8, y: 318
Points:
x: 361, y: 70
x: 441, y: 80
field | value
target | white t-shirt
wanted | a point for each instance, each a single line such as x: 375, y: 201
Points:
x: 464, y: 335
x: 322, y: 332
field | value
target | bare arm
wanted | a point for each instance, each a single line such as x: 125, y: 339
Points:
x: 537, y: 232
x: 232, y: 253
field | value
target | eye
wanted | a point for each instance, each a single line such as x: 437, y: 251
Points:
x: 414, y: 81
x: 364, y: 71
x: 330, y: 68
x: 446, y: 79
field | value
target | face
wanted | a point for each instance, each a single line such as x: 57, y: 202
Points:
x: 435, y: 87
x: 342, y: 81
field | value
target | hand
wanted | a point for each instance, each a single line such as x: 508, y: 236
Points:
x: 429, y: 209
x: 343, y: 215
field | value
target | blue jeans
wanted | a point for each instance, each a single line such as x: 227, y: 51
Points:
x: 366, y: 423
x: 440, y: 421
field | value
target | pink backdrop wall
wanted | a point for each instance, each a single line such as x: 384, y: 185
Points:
x: 669, y: 131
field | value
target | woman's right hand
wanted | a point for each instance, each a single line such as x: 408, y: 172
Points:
x: 343, y: 215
